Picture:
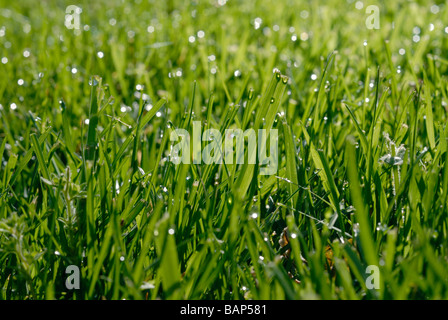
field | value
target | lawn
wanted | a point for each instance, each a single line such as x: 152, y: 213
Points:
x: 94, y: 205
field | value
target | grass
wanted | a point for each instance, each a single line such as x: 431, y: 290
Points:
x: 86, y: 180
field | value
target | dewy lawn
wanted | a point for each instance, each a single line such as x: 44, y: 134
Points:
x: 101, y: 199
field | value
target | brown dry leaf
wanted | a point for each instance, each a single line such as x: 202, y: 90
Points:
x: 283, y: 242
x: 329, y: 256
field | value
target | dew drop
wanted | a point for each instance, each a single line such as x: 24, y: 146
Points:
x: 93, y: 82
x: 435, y: 9
x: 304, y: 36
x: 251, y: 94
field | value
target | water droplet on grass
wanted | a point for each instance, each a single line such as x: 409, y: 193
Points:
x: 356, y: 229
x: 435, y: 9
x: 257, y: 22
x: 251, y: 94
x: 93, y: 82
x: 304, y: 36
